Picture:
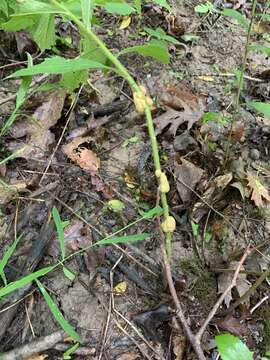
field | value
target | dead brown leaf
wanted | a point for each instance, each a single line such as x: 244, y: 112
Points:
x: 128, y: 356
x: 77, y: 236
x: 82, y: 156
x: 189, y: 174
x: 38, y: 135
x: 258, y: 191
x: 37, y: 357
x: 233, y: 325
x: 101, y: 186
x: 225, y: 279
x: 185, y: 107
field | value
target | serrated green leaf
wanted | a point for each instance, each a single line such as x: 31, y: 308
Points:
x: 234, y: 14
x: 43, y: 31
x: 164, y: 4
x: 123, y: 239
x: 8, y: 253
x: 57, y: 313
x: 160, y: 34
x: 23, y: 281
x: 155, y: 49
x: 232, y: 348
x: 261, y: 107
x: 59, y: 65
x: 119, y: 8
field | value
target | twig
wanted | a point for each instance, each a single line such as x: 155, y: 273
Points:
x: 42, y: 344
x: 222, y: 297
x: 266, y: 297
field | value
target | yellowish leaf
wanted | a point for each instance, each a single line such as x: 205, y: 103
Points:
x: 206, y: 78
x: 258, y: 191
x: 125, y: 22
x: 120, y: 288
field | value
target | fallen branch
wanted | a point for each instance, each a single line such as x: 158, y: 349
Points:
x: 41, y: 344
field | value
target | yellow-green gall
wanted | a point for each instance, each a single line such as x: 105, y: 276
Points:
x: 164, y: 185
x: 142, y: 100
x: 168, y: 224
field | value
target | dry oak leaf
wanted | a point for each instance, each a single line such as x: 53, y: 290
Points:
x: 184, y: 107
x: 258, y: 191
x: 82, y: 156
x: 38, y: 135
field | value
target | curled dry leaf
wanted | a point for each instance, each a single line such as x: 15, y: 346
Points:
x: 76, y: 238
x: 186, y: 173
x: 225, y: 279
x: 233, y: 325
x: 38, y: 135
x: 258, y: 191
x: 185, y: 107
x: 82, y: 156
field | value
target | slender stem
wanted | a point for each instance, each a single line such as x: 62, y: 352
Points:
x: 241, y: 80
x: 121, y: 69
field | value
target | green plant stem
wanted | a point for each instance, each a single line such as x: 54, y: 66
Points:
x: 121, y: 69
x: 241, y: 80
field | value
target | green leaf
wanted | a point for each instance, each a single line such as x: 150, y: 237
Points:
x: 264, y: 16
x: 57, y: 313
x: 10, y: 250
x: 20, y: 99
x: 29, y: 7
x: 155, y: 49
x: 69, y: 274
x: 60, y: 230
x: 17, y: 23
x: 116, y: 205
x: 232, y: 348
x: 261, y: 107
x: 119, y: 8
x: 261, y: 48
x: 123, y: 239
x: 87, y: 12
x: 59, y: 65
x: 23, y: 281
x: 195, y: 229
x: 43, y: 31
x: 73, y: 80
x: 138, y: 6
x: 156, y: 211
x: 160, y: 34
x: 164, y: 4
x: 241, y: 19
x: 70, y: 351
x: 204, y: 8
x: 4, y: 7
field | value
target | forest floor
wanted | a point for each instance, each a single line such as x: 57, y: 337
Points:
x: 119, y: 300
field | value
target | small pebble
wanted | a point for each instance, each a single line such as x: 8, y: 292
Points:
x: 255, y: 154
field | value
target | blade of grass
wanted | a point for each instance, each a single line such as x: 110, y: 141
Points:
x: 57, y: 313
x: 60, y: 230
x: 70, y: 351
x: 10, y: 250
x: 25, y: 280
x: 123, y: 239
